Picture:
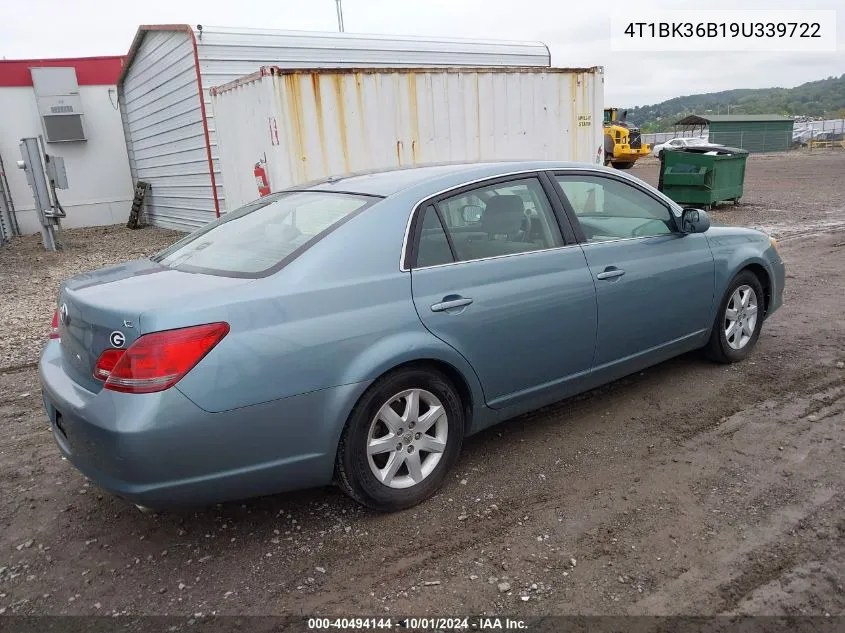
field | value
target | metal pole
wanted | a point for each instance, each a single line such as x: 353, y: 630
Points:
x: 339, y: 16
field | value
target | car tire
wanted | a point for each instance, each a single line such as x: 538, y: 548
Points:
x: 367, y: 477
x: 723, y: 348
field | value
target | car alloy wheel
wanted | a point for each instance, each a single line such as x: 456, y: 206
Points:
x: 407, y: 438
x: 737, y: 324
x: 401, y: 439
x: 741, y: 317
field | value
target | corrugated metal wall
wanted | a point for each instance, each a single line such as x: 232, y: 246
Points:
x: 161, y: 121
x: 755, y: 136
x: 313, y: 124
x: 160, y: 104
x: 226, y: 54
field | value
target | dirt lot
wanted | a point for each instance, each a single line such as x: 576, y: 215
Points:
x: 690, y: 488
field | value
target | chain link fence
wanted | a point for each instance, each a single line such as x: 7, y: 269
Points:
x: 820, y: 131
x: 656, y: 138
x: 829, y: 134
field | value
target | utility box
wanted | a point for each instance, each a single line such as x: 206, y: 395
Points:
x: 56, y: 172
x: 303, y: 125
x: 702, y: 175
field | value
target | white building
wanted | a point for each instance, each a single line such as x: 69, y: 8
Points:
x: 166, y: 104
x: 44, y: 97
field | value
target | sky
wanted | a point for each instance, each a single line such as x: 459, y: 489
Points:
x: 576, y: 31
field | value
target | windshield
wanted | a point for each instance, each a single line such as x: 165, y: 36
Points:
x: 261, y: 237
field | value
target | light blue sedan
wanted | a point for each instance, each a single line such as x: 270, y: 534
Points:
x: 357, y: 329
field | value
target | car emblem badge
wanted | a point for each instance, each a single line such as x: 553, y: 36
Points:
x: 63, y: 314
x: 117, y: 339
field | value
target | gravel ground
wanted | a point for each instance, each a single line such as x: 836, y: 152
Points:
x: 786, y: 195
x: 31, y: 276
x: 690, y: 488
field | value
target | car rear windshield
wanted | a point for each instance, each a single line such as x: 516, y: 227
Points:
x: 260, y: 238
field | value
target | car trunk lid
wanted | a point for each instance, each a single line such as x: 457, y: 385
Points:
x: 102, y: 309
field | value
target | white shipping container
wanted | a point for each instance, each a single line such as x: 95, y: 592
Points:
x: 310, y: 124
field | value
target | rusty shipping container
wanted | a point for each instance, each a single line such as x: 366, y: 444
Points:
x: 304, y: 125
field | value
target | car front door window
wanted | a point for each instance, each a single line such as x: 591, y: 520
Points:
x: 608, y: 209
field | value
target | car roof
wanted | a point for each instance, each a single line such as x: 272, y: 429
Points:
x: 387, y: 182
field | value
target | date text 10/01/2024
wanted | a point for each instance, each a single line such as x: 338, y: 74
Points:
x: 416, y: 624
x: 724, y: 29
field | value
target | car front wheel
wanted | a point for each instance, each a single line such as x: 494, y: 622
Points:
x: 738, y: 321
x: 401, y: 439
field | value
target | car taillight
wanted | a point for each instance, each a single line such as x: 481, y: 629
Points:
x: 54, y: 326
x: 157, y: 361
x: 106, y: 362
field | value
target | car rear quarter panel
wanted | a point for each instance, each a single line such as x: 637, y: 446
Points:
x: 160, y: 449
x: 340, y: 314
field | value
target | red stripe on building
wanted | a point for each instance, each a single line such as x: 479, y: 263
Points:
x: 90, y: 71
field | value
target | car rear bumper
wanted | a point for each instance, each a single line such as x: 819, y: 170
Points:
x: 162, y: 450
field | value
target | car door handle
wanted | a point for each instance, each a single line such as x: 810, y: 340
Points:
x: 451, y: 304
x: 611, y: 272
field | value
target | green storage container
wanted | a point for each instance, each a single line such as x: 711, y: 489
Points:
x: 703, y: 175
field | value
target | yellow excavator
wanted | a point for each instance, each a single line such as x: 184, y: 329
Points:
x: 622, y: 143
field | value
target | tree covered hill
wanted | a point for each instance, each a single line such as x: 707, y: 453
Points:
x: 824, y: 98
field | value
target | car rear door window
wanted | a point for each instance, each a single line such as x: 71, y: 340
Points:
x: 433, y: 247
x: 608, y: 209
x: 504, y: 218
x: 259, y: 238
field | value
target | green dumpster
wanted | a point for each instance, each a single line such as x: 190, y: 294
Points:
x: 702, y: 175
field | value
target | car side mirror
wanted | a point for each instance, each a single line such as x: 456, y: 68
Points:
x: 694, y: 221
x: 472, y: 213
